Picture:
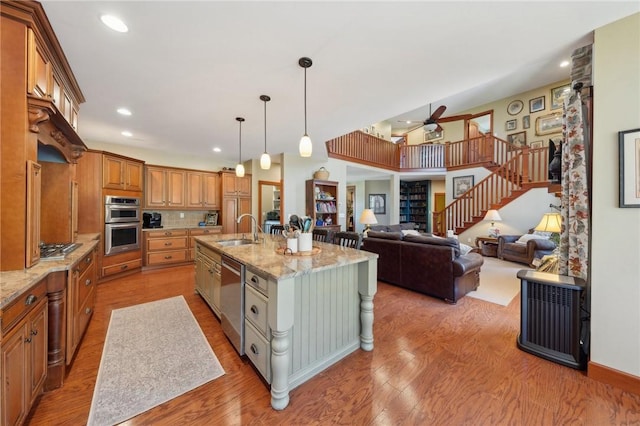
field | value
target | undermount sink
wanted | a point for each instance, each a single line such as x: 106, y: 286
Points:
x: 241, y: 242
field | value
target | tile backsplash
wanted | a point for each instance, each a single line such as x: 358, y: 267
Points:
x: 171, y: 218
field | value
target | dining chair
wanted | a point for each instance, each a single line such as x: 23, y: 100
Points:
x: 347, y: 239
x: 320, y: 235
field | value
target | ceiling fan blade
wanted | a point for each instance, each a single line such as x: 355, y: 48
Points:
x: 438, y: 112
x: 439, y: 128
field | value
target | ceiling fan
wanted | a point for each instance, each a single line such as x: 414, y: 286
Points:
x: 432, y: 123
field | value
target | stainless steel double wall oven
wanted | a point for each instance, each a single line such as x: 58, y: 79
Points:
x: 122, y: 228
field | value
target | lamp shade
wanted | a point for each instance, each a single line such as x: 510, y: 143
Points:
x: 367, y: 217
x: 430, y: 127
x: 492, y: 215
x: 306, y: 147
x: 240, y: 170
x: 550, y: 222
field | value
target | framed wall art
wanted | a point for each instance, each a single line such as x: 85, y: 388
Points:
x: 511, y: 125
x: 518, y: 139
x: 558, y: 94
x: 377, y: 203
x: 515, y: 107
x: 536, y: 104
x: 526, y: 122
x: 629, y: 154
x: 433, y: 136
x: 461, y: 184
x: 547, y: 124
x: 536, y: 144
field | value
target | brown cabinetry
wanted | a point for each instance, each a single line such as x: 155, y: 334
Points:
x: 203, y: 190
x: 120, y: 173
x: 165, y: 187
x: 34, y: 192
x: 59, y: 224
x: 166, y: 247
x: 81, y: 294
x: 23, y: 356
x: 322, y: 203
x: 236, y: 201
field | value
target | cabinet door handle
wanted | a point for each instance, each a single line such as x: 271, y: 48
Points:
x: 254, y: 309
x: 87, y: 282
x: 34, y: 332
x: 254, y: 349
x: 31, y: 299
x: 123, y: 267
x: 87, y: 311
x: 27, y: 340
x: 255, y: 279
x: 88, y: 259
x: 168, y: 257
x: 168, y: 244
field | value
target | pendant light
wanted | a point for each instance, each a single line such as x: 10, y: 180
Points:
x: 265, y: 160
x: 306, y: 147
x: 240, y: 167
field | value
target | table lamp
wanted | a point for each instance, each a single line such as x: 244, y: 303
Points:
x: 493, y: 216
x: 551, y: 222
x: 367, y: 218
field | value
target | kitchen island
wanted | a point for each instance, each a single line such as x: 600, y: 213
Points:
x: 303, y: 312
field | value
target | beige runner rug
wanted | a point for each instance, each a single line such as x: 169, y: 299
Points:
x: 498, y: 281
x: 153, y: 352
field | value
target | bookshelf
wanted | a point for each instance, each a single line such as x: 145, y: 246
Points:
x: 322, y: 203
x: 414, y: 203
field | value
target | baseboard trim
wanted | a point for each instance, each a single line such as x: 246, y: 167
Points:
x: 610, y: 376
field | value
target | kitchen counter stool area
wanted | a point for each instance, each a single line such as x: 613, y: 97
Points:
x: 301, y: 313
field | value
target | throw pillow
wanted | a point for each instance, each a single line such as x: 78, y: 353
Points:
x: 464, y: 249
x: 523, y: 239
x: 410, y: 232
x: 544, y: 234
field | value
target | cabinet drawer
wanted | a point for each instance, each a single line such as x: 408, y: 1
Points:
x: 258, y: 349
x: 25, y: 303
x: 121, y: 267
x: 85, y: 262
x: 167, y: 233
x: 208, y: 231
x: 164, y: 257
x: 85, y: 285
x: 83, y: 315
x: 255, y: 309
x: 256, y: 281
x: 156, y: 244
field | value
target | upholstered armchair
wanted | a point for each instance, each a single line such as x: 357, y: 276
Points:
x: 524, y: 248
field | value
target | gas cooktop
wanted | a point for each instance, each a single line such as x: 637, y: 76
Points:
x: 57, y: 251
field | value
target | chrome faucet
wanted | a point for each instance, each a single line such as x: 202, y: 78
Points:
x: 255, y: 224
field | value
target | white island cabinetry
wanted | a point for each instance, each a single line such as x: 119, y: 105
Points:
x: 302, y: 313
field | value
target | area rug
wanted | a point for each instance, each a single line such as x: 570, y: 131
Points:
x: 498, y: 281
x: 153, y: 352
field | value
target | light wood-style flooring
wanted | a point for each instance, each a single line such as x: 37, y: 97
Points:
x: 433, y: 364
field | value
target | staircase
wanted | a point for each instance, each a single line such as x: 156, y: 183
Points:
x: 523, y: 169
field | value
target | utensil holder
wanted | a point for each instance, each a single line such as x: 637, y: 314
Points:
x: 305, y: 242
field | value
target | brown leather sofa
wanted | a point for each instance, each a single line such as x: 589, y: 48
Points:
x: 426, y: 264
x: 509, y: 249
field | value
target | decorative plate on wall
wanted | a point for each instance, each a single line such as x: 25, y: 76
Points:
x: 515, y: 107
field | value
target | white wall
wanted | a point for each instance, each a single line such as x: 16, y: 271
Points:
x: 615, y: 258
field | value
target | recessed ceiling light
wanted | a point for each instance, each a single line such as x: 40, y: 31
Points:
x: 114, y: 23
x: 124, y: 111
x: 216, y: 149
x: 564, y: 64
x: 127, y: 133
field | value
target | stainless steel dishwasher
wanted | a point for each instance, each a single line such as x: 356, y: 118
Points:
x: 232, y: 302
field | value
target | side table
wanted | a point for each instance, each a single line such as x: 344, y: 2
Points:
x: 488, y: 246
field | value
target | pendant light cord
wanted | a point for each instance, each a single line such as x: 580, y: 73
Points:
x: 305, y: 101
x: 265, y: 125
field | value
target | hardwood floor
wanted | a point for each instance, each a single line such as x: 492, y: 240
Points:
x: 433, y: 363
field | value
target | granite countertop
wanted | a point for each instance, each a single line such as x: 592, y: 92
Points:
x: 171, y: 228
x: 15, y: 283
x: 263, y: 257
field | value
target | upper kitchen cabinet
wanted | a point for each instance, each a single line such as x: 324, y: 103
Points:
x: 203, y: 189
x: 164, y: 187
x: 39, y: 106
x: 234, y: 186
x: 121, y: 173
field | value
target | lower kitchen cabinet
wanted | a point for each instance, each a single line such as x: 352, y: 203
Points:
x: 81, y: 298
x: 198, y: 233
x: 166, y: 247
x: 23, y: 356
x: 208, y: 278
x: 257, y: 339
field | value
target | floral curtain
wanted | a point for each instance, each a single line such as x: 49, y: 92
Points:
x: 574, y: 239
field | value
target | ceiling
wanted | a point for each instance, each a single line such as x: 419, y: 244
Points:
x: 187, y: 69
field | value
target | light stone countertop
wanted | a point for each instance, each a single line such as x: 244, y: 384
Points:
x: 15, y: 283
x: 172, y: 228
x: 262, y: 256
